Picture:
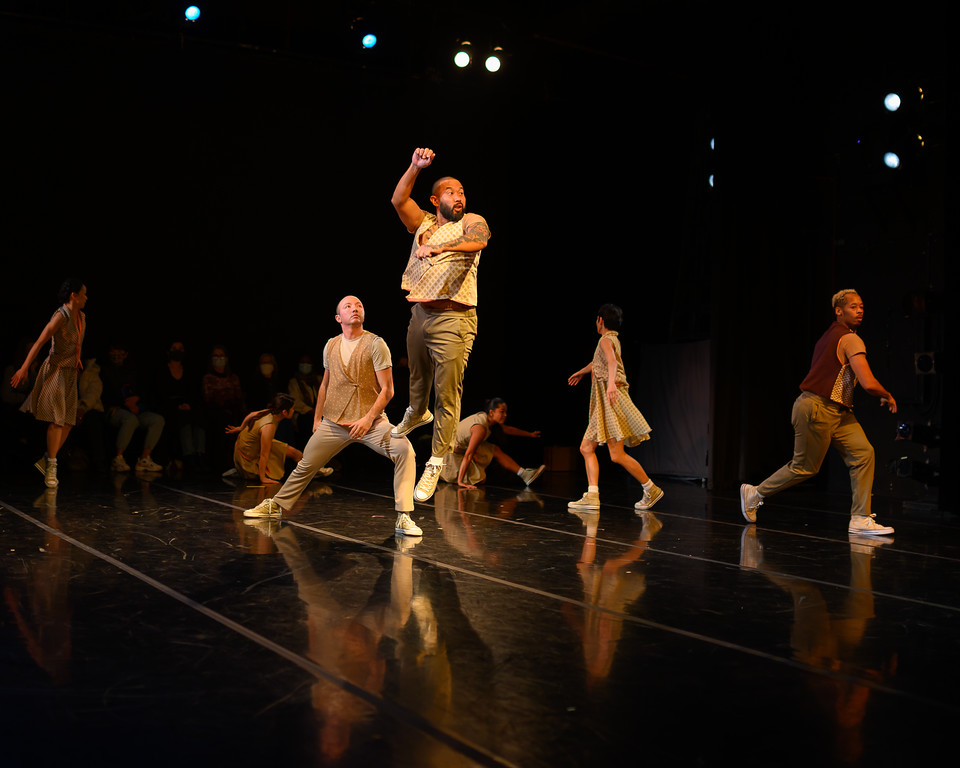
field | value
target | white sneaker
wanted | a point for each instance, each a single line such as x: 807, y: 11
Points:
x: 266, y: 508
x: 529, y: 475
x: 587, y: 501
x: 410, y: 422
x: 41, y: 464
x: 867, y: 526
x: 405, y: 526
x: 650, y: 498
x: 749, y: 501
x: 50, y: 474
x: 119, y: 464
x: 146, y: 464
x: 428, y: 481
x: 325, y: 471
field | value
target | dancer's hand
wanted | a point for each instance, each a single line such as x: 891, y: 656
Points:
x: 360, y: 427
x: 612, y: 394
x: 422, y: 157
x: 18, y: 378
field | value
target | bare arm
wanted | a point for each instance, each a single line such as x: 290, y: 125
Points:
x: 359, y: 428
x: 408, y: 211
x: 575, y: 378
x: 51, y: 328
x: 321, y: 399
x: 520, y: 432
x: 266, y: 439
x: 608, y: 353
x: 869, y: 382
x: 477, y: 435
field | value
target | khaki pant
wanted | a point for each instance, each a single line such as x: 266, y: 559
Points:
x: 438, y: 346
x: 817, y: 424
x: 330, y: 439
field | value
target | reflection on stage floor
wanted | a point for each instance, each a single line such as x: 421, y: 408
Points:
x: 146, y: 622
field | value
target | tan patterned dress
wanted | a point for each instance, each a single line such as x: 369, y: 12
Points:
x: 246, y: 452
x: 622, y: 421
x: 54, y: 395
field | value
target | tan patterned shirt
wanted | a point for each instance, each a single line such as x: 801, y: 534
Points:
x: 448, y: 275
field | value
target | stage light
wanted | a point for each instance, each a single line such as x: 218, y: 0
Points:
x: 892, y: 102
x: 192, y: 13
x: 464, y: 55
x: 891, y: 160
x: 368, y: 41
x: 495, y: 60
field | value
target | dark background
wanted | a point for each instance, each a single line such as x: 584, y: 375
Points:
x: 228, y: 181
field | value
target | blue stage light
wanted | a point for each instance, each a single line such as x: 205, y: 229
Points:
x: 192, y: 13
x: 369, y: 41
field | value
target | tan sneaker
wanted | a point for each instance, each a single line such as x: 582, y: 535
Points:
x: 650, y: 498
x: 587, y: 501
x: 266, y: 508
x: 750, y: 499
x: 868, y: 526
x: 410, y: 422
x: 428, y: 481
x: 406, y: 527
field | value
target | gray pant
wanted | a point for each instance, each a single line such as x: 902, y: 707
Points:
x: 439, y: 343
x: 329, y: 439
x: 817, y: 424
x: 127, y: 423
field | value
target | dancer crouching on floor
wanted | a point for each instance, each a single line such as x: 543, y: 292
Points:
x: 467, y: 464
x: 54, y: 395
x: 357, y: 385
x: 258, y: 455
x: 614, y: 419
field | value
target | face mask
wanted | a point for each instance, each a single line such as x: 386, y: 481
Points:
x: 305, y: 368
x: 219, y: 362
x: 266, y: 369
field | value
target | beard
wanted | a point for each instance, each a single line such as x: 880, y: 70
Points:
x: 449, y: 213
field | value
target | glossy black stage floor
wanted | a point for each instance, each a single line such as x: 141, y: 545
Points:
x: 145, y: 622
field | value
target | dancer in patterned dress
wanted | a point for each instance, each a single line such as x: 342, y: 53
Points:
x: 54, y: 395
x: 614, y: 419
x: 258, y: 455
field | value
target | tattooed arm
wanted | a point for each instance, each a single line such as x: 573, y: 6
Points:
x: 476, y: 234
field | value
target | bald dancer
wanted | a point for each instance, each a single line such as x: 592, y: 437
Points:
x: 357, y: 385
x: 441, y: 281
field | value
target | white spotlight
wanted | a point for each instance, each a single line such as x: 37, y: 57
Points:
x: 494, y: 60
x: 463, y: 55
x: 891, y: 160
x: 192, y: 13
x: 892, y: 102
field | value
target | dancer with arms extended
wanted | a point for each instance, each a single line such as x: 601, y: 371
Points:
x: 357, y: 384
x: 54, y: 395
x: 823, y: 416
x: 441, y: 281
x: 614, y: 419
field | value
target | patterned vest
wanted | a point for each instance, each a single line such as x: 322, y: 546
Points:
x: 353, y: 390
x: 447, y: 275
x: 828, y: 376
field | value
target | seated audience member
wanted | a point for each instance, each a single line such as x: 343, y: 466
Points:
x: 178, y: 397
x: 223, y: 404
x: 128, y: 410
